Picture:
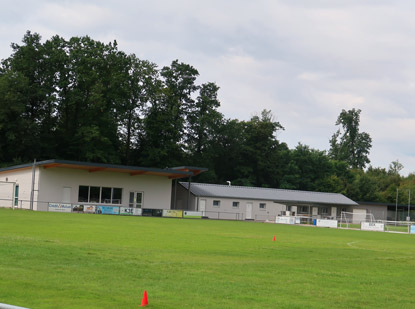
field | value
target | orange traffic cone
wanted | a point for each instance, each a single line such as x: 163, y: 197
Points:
x: 144, y: 302
x: 273, y: 238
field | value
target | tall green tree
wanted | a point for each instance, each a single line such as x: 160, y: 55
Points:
x: 348, y: 143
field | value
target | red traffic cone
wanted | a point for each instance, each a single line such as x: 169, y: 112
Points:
x: 273, y: 238
x: 144, y: 302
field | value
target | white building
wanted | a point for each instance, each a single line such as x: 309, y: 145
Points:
x: 37, y: 186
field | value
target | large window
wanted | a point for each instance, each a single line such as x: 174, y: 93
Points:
x: 303, y: 209
x: 106, y: 195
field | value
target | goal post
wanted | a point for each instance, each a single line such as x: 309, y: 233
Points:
x: 355, y: 219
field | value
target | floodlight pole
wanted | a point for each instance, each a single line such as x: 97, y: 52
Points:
x: 409, y: 204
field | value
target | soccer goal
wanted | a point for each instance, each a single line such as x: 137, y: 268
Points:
x: 355, y: 219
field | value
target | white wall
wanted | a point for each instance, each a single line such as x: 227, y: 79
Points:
x: 22, y: 178
x: 157, y: 189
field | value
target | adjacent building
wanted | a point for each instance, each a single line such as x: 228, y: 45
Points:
x: 251, y: 203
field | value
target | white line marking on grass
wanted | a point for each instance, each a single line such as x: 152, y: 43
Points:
x: 351, y: 244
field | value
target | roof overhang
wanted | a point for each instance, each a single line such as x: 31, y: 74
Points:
x: 100, y: 167
x: 192, y: 169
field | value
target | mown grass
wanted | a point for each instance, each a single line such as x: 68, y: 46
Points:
x: 52, y: 260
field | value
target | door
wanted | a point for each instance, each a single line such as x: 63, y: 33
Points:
x: 248, y: 214
x: 136, y: 200
x: 202, y: 206
x: 66, y: 195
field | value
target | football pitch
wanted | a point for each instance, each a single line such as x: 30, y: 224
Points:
x: 54, y: 260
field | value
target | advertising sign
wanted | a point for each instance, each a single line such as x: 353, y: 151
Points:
x: 285, y: 220
x: 107, y: 210
x: 78, y: 208
x: 192, y: 214
x: 326, y: 223
x: 172, y: 213
x: 89, y: 209
x: 60, y: 207
x: 412, y: 229
x: 368, y: 226
x: 127, y: 211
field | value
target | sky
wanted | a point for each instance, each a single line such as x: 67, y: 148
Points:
x: 304, y: 60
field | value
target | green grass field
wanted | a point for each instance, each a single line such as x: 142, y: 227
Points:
x: 53, y: 260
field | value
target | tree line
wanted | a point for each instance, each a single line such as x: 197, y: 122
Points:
x: 81, y: 99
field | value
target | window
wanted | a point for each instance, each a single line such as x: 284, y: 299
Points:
x: 235, y: 204
x: 94, y: 194
x: 216, y: 203
x: 87, y: 194
x: 262, y: 206
x: 83, y: 195
x: 303, y: 210
x: 323, y: 210
x: 16, y: 196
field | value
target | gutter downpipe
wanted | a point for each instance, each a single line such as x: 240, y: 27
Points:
x: 32, y: 192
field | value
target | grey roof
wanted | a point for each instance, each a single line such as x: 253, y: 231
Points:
x: 277, y: 195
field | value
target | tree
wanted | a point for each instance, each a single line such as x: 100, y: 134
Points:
x: 395, y: 167
x: 348, y: 143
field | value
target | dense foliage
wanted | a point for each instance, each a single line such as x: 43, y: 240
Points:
x: 80, y: 99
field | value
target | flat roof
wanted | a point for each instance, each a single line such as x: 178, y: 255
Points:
x: 292, y: 197
x: 171, y: 173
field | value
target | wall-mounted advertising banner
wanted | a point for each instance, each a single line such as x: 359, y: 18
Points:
x: 172, y: 213
x: 369, y: 226
x: 56, y: 207
x: 78, y: 208
x: 192, y: 214
x: 326, y: 223
x: 285, y: 220
x: 412, y: 230
x: 130, y: 211
x: 89, y: 209
x: 107, y: 210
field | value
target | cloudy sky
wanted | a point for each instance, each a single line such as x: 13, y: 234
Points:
x: 304, y: 60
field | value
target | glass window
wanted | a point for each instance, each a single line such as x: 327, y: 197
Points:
x: 262, y: 206
x: 216, y: 203
x: 116, y: 195
x: 94, y: 194
x: 323, y: 210
x: 106, y: 195
x: 16, y: 196
x: 83, y: 194
x: 235, y: 204
x: 303, y: 210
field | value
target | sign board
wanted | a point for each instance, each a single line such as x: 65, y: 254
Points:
x: 192, y: 214
x: 412, y: 230
x: 107, y: 210
x: 130, y: 211
x: 89, y: 209
x: 172, y: 213
x: 285, y: 220
x: 326, y: 223
x: 369, y: 226
x: 56, y: 207
x: 78, y: 208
